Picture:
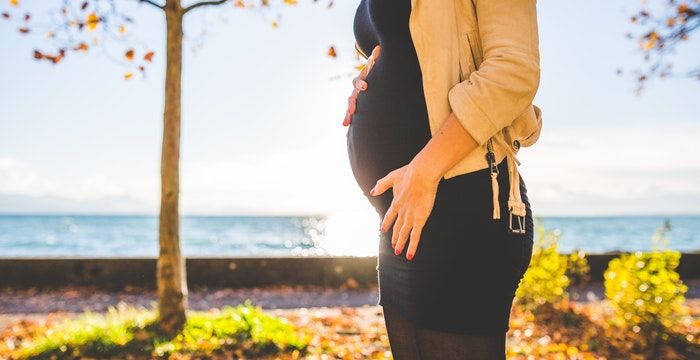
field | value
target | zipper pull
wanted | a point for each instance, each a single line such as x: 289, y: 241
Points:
x: 491, y: 158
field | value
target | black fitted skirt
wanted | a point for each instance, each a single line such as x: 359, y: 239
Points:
x: 468, y: 265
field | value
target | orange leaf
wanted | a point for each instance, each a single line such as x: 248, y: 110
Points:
x: 331, y: 52
x: 82, y: 47
x: 122, y: 29
x: 128, y: 76
x: 129, y: 54
x: 149, y: 56
x: 38, y: 55
x: 14, y: 2
x: 92, y: 21
x: 23, y: 30
x: 290, y: 2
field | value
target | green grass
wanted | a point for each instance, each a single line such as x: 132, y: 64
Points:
x: 243, y: 330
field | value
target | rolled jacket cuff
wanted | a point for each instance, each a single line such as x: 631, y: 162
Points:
x: 469, y: 114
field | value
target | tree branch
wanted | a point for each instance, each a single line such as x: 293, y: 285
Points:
x: 152, y: 3
x: 203, y: 3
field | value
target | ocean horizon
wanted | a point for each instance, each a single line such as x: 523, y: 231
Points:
x: 346, y: 234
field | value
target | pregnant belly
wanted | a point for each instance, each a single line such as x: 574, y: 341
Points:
x: 389, y: 127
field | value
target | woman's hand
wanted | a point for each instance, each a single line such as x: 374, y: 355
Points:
x: 414, y: 197
x: 359, y: 84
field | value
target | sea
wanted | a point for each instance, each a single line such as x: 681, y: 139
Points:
x: 342, y: 234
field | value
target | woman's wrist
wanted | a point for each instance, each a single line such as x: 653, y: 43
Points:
x: 427, y: 168
x: 450, y: 143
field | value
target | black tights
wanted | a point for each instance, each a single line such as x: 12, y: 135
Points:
x: 410, y: 342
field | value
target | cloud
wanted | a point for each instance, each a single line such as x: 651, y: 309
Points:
x: 23, y: 188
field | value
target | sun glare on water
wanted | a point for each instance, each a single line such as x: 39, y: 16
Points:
x: 352, y: 233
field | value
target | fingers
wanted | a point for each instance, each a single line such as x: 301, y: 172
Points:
x: 405, y: 228
x: 375, y: 52
x: 383, y: 184
x: 359, y: 84
x: 352, y: 100
x: 370, y: 62
x: 346, y: 120
x: 389, y: 217
x: 415, y: 239
x: 402, y: 227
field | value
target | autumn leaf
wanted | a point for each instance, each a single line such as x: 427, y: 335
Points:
x: 275, y: 24
x: 290, y: 2
x: 14, y: 2
x: 128, y: 76
x: 92, y: 21
x: 38, y: 55
x: 129, y: 54
x: 651, y: 40
x: 239, y: 4
x: 149, y: 56
x: 23, y: 30
x: 82, y: 47
x: 122, y: 29
x: 331, y: 52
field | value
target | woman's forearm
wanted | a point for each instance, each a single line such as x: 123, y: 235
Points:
x: 450, y: 144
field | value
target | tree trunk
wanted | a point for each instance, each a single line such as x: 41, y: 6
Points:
x: 171, y: 275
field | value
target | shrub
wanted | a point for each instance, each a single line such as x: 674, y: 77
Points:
x: 577, y: 268
x: 128, y: 331
x: 644, y: 288
x: 545, y: 280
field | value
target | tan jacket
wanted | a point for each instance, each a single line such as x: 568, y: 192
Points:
x: 480, y: 59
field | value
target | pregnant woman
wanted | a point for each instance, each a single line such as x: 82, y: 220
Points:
x: 426, y: 143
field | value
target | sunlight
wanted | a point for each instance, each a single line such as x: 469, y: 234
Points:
x: 352, y: 233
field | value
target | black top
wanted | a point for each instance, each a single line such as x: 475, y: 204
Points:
x: 393, y: 106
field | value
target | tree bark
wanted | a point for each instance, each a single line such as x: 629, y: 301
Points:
x: 171, y: 275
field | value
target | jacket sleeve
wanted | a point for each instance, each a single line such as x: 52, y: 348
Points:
x: 507, y: 79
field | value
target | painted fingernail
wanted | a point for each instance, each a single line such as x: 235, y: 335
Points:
x: 371, y: 192
x: 409, y: 256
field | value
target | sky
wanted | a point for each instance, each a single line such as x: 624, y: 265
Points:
x: 262, y: 111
